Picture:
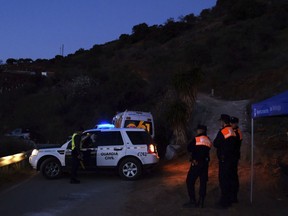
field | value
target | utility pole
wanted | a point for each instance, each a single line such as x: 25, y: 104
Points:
x: 62, y: 50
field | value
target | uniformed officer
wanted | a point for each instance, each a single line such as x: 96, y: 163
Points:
x: 235, y: 178
x: 225, y: 142
x: 76, y: 155
x: 199, y: 148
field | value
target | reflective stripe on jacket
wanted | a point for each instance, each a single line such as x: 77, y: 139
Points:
x: 237, y: 130
x: 204, y: 141
x: 73, y: 141
x: 228, y: 132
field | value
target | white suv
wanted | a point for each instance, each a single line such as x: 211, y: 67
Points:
x: 130, y: 150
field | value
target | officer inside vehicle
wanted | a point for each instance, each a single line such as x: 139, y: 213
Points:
x: 199, y: 148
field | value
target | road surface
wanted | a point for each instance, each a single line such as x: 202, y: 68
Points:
x: 98, y: 194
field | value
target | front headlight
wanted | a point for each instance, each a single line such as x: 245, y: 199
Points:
x: 34, y: 152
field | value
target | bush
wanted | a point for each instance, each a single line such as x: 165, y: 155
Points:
x: 245, y: 9
x: 11, y: 145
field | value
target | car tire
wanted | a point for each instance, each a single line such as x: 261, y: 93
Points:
x: 130, y: 169
x: 51, y: 168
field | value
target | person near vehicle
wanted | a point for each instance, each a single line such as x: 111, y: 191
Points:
x: 235, y: 178
x: 76, y: 155
x: 199, y: 148
x: 225, y: 143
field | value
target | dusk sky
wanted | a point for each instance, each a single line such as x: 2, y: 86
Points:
x: 37, y: 28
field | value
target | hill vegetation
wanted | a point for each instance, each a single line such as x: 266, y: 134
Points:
x: 239, y: 49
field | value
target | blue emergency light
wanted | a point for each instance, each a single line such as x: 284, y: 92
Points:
x: 105, y: 126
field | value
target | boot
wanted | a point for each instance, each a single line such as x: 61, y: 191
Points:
x: 191, y: 204
x: 200, y: 202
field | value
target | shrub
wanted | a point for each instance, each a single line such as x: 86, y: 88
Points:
x: 12, y: 145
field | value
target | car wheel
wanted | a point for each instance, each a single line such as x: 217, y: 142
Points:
x: 51, y: 168
x: 130, y: 169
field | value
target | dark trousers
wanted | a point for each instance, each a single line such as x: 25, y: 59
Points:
x: 197, y: 171
x: 75, y: 166
x: 225, y: 180
x: 234, y: 181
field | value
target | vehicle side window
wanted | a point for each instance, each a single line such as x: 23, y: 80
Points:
x: 139, y: 137
x: 139, y: 124
x: 89, y: 140
x: 109, y: 138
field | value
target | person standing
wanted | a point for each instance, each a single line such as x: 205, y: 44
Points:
x: 225, y: 143
x: 199, y: 148
x: 76, y: 155
x: 235, y: 178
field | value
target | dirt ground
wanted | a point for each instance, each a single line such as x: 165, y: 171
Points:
x: 163, y: 191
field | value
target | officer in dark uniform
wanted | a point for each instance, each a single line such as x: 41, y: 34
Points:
x: 199, y: 148
x: 235, y: 178
x: 76, y: 155
x: 226, y: 142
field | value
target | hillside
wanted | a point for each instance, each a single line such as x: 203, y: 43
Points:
x: 240, y: 45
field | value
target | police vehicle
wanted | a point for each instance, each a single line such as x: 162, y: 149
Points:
x: 136, y: 119
x: 129, y: 150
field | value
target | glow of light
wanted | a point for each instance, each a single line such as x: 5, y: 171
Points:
x: 4, y: 161
x: 105, y: 126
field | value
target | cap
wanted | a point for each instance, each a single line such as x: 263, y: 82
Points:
x: 234, y: 119
x: 225, y: 118
x: 201, y: 127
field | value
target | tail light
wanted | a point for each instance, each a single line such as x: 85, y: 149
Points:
x: 151, y: 149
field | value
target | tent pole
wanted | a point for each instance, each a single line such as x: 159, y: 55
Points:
x: 252, y: 159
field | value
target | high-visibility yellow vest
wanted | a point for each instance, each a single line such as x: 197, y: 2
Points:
x: 73, y: 140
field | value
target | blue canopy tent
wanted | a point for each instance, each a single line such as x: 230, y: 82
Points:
x: 274, y: 106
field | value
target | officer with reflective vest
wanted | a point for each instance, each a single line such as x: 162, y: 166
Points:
x: 235, y: 184
x: 225, y: 143
x: 76, y: 155
x: 199, y: 148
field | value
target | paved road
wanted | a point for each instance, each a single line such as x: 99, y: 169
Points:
x: 97, y: 194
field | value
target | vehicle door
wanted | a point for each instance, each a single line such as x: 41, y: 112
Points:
x: 88, y: 149
x: 68, y: 155
x: 110, y: 148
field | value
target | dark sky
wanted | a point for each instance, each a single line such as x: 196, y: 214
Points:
x: 37, y: 28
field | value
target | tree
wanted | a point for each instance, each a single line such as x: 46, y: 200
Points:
x: 140, y: 29
x: 180, y: 110
x: 79, y: 51
x: 124, y: 37
x: 139, y: 32
x: 176, y: 116
x: 185, y: 84
x: 205, y: 14
x: 169, y: 21
x: 11, y: 61
x: 28, y: 61
x: 190, y: 18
